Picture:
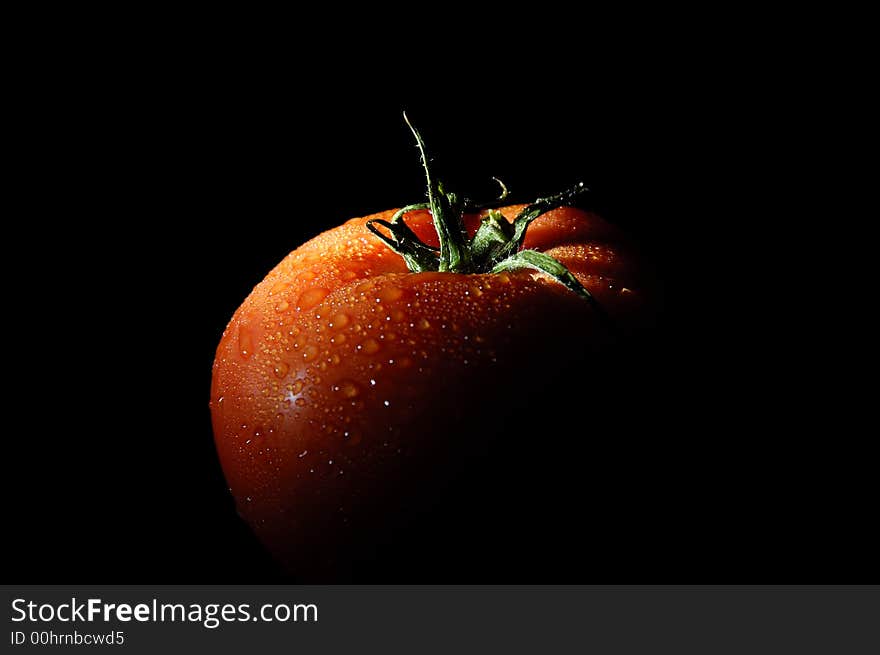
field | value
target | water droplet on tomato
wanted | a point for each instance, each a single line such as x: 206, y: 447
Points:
x: 283, y: 306
x: 310, y: 352
x: 390, y: 294
x: 369, y: 346
x: 281, y: 369
x: 312, y: 297
x: 423, y: 324
x: 245, y: 342
x: 339, y: 338
x: 339, y: 321
x: 348, y: 275
x: 349, y: 389
x: 278, y: 287
x: 300, y: 402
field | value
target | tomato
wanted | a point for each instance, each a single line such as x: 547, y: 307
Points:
x: 346, y: 385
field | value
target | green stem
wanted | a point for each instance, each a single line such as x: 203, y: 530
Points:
x: 419, y: 256
x: 447, y: 215
x: 493, y: 233
x: 546, y: 264
x: 541, y: 206
x: 492, y: 204
x: 497, y: 244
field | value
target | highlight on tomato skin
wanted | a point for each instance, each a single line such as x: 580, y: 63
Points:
x: 394, y: 377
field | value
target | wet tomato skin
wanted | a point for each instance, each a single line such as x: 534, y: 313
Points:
x: 346, y: 389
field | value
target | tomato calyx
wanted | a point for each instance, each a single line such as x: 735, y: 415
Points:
x: 497, y: 245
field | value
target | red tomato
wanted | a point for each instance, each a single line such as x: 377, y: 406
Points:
x: 346, y: 385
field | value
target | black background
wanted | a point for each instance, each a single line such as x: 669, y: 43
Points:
x: 160, y: 194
